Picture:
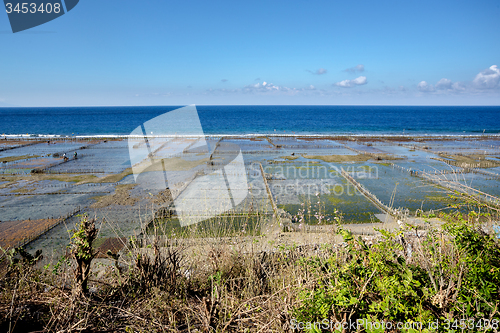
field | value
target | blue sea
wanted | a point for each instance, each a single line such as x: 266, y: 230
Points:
x: 247, y: 120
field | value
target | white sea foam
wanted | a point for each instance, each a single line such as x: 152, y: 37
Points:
x: 250, y: 135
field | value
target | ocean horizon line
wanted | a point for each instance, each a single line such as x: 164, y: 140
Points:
x: 229, y: 105
x: 252, y: 135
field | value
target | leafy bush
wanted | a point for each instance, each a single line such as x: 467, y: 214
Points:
x: 83, y: 253
x: 449, y: 274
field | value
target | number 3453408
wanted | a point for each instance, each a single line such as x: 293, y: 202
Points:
x: 33, y: 8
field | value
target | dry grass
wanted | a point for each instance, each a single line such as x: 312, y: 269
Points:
x: 161, y: 289
x: 165, y: 286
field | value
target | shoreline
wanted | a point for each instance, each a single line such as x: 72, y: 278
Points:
x: 332, y: 136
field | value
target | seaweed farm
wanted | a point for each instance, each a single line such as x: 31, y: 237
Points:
x: 224, y: 186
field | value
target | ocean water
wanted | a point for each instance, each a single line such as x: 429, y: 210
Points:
x: 241, y: 120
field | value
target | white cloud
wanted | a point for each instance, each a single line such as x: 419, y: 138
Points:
x: 358, y: 68
x: 351, y: 83
x: 267, y: 88
x: 458, y: 86
x: 444, y: 84
x: 360, y: 80
x: 320, y: 71
x: 425, y: 87
x: 487, y: 79
x: 264, y: 86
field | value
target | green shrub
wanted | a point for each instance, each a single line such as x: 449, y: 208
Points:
x: 450, y: 274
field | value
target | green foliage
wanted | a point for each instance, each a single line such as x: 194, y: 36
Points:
x: 21, y: 256
x: 82, y: 239
x: 373, y: 280
x: 454, y: 275
x: 480, y: 290
x: 18, y: 262
x: 62, y: 260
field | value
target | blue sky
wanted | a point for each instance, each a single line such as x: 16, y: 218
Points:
x: 157, y: 52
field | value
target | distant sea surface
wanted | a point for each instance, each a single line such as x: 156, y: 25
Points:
x: 241, y: 120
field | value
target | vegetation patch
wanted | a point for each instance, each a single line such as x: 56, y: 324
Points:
x: 290, y: 157
x: 78, y: 179
x: 162, y: 198
x: 17, y: 158
x: 23, y: 190
x: 339, y: 158
x: 278, y: 162
x: 121, y: 197
x: 352, y: 158
x: 114, y: 178
x: 442, y: 276
x: 337, y: 200
x: 470, y: 161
